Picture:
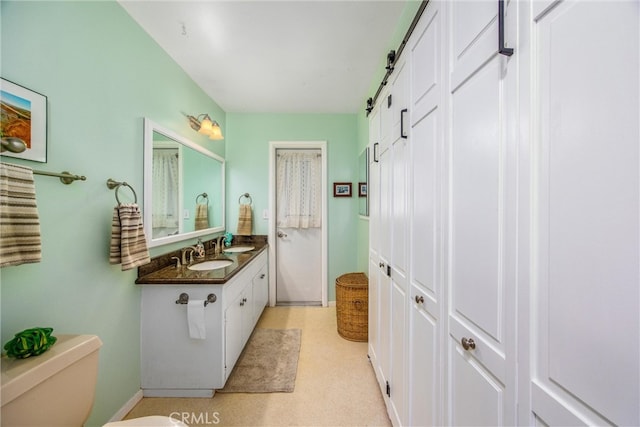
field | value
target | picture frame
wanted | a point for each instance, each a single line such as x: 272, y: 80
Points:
x: 362, y: 189
x: 341, y: 189
x: 23, y: 115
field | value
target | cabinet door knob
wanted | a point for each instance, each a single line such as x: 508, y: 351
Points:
x: 381, y: 264
x: 419, y: 299
x: 262, y: 275
x: 468, y: 343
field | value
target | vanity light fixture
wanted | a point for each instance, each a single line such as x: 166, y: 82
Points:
x: 204, y: 125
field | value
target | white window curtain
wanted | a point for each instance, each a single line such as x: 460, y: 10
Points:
x: 299, y: 189
x: 165, y: 189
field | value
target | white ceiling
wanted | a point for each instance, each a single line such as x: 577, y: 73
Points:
x: 275, y: 56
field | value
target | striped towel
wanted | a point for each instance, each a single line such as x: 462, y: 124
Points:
x: 244, y: 220
x: 128, y: 242
x: 20, y: 241
x: 202, y: 216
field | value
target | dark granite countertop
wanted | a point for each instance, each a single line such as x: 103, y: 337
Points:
x: 162, y: 270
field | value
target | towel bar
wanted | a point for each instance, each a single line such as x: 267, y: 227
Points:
x: 65, y: 177
x: 184, y: 299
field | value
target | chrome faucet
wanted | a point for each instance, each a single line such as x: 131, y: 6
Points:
x: 219, y: 243
x: 189, y: 249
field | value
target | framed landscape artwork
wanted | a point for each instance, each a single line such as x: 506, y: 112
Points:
x: 23, y: 115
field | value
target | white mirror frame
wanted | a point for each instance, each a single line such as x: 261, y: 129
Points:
x: 149, y: 128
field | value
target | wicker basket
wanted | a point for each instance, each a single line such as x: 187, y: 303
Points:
x: 352, y: 306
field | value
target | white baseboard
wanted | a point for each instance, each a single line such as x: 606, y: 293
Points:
x: 331, y: 304
x: 127, y: 407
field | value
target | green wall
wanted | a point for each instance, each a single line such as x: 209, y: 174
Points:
x: 248, y: 172
x: 408, y: 14
x: 101, y: 74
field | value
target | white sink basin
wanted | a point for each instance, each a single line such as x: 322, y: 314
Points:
x: 239, y: 249
x: 211, y: 265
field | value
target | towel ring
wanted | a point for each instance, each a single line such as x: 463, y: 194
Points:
x: 247, y: 196
x: 115, y: 184
x: 202, y: 195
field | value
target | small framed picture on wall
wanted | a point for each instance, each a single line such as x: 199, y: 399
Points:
x: 362, y: 189
x: 341, y: 189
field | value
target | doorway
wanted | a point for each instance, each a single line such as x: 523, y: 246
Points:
x: 297, y: 239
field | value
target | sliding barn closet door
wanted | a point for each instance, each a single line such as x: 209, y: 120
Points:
x: 481, y: 217
x: 425, y: 275
x: 586, y: 209
x: 374, y: 237
x: 400, y: 136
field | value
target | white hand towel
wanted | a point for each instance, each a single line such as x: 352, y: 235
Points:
x: 195, y: 318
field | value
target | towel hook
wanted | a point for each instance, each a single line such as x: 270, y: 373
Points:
x: 116, y: 184
x: 247, y: 196
x: 203, y: 195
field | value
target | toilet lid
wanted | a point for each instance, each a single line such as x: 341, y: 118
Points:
x: 152, y: 421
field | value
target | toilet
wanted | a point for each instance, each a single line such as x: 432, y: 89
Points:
x: 57, y: 388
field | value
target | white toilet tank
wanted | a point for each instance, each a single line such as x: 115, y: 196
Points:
x: 56, y: 388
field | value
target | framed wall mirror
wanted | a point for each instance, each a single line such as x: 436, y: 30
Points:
x: 184, y: 187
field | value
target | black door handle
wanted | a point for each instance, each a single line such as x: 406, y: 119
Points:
x: 507, y: 51
x: 402, y: 134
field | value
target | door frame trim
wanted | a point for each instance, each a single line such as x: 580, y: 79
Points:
x: 273, y: 147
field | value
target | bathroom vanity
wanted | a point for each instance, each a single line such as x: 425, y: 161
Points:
x: 176, y: 365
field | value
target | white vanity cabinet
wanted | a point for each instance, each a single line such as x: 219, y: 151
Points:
x: 175, y: 365
x: 242, y: 314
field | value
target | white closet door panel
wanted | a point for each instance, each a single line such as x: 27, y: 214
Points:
x: 587, y: 248
x: 477, y: 181
x: 399, y: 332
x: 481, y: 217
x: 424, y: 141
x: 425, y: 366
x: 485, y: 353
x: 374, y: 187
x: 399, y: 213
x: 384, y: 335
x: 425, y: 65
x: 474, y: 37
x: 384, y: 226
x: 386, y: 121
x: 477, y: 397
x: 400, y: 99
x: 374, y: 310
x: 546, y: 405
